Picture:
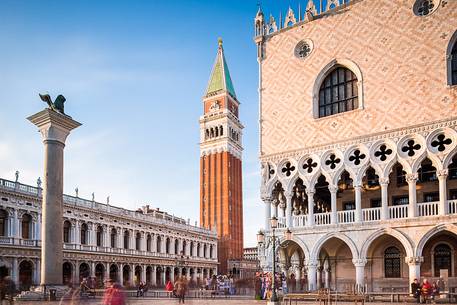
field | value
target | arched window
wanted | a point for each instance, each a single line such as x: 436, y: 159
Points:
x: 113, y: 236
x: 99, y: 236
x: 204, y: 250
x: 167, y: 246
x: 198, y: 250
x: 210, y: 251
x: 176, y: 246
x: 148, y: 243
x: 3, y: 222
x: 452, y: 60
x: 184, y: 246
x: 392, y: 262
x: 159, y: 244
x: 126, y: 239
x: 338, y: 92
x: 26, y: 226
x: 191, y: 250
x: 442, y: 259
x: 84, y: 234
x: 221, y: 130
x: 138, y: 241
x: 66, y: 231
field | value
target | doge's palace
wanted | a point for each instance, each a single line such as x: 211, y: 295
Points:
x: 358, y: 141
x: 102, y: 241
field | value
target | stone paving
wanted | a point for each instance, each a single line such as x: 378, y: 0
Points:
x: 135, y: 301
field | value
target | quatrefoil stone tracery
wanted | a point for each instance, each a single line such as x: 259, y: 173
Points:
x: 332, y: 161
x: 309, y: 165
x: 411, y: 147
x: 383, y: 152
x: 441, y: 142
x: 357, y: 157
x: 288, y: 169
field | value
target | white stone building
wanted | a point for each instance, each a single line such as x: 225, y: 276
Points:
x: 102, y: 241
x: 358, y: 142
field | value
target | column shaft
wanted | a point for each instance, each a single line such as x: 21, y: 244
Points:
x: 384, y: 198
x: 289, y: 210
x: 358, y: 203
x: 267, y: 202
x: 51, y: 233
x: 442, y: 178
x: 312, y: 268
x: 412, y: 179
x: 334, y: 216
x: 310, y: 194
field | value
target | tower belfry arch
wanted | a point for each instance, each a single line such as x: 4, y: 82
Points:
x: 221, y: 203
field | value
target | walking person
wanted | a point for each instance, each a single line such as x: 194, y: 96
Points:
x: 8, y: 290
x: 181, y: 288
x: 114, y: 294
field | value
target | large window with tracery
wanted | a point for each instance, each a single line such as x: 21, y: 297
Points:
x: 453, y: 60
x: 338, y: 92
x: 392, y: 263
x: 442, y: 258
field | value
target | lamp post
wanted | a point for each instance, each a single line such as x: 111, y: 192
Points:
x: 273, y: 240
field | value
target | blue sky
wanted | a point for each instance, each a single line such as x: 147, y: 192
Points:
x: 133, y: 73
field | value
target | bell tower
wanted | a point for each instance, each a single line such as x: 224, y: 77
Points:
x: 221, y: 200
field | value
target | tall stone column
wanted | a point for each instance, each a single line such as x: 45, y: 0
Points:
x: 384, y: 182
x: 359, y: 273
x: 312, y: 269
x: 153, y: 276
x: 54, y: 128
x: 412, y: 179
x: 414, y: 264
x: 442, y: 178
x: 334, y: 216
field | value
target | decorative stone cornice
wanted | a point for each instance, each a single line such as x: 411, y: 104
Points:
x: 414, y: 260
x: 397, y: 133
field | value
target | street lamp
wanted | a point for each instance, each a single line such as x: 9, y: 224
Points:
x: 273, y: 240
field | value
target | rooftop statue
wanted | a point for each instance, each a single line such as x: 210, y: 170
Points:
x: 57, y: 105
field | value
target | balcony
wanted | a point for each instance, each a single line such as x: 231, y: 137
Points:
x: 424, y: 209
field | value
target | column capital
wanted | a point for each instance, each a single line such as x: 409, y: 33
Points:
x: 411, y: 178
x: 53, y: 126
x: 384, y: 181
x: 288, y: 194
x: 359, y: 262
x: 333, y: 188
x: 310, y: 192
x: 267, y: 199
x: 357, y: 187
x: 414, y: 260
x: 311, y: 263
x: 443, y: 173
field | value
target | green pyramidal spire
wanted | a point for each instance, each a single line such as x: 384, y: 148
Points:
x: 220, y: 79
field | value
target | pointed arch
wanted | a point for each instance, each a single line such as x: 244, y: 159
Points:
x: 451, y: 60
x: 403, y: 239
x: 325, y: 71
x: 341, y: 236
x: 435, y: 230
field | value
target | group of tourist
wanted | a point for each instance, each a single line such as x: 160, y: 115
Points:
x: 264, y: 283
x: 425, y: 291
x: 7, y: 290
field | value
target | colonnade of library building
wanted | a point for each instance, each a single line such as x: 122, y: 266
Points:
x: 102, y: 241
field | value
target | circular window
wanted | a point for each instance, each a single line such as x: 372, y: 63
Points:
x: 303, y: 48
x: 425, y: 7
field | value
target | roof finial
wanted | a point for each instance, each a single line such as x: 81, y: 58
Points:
x: 219, y: 41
